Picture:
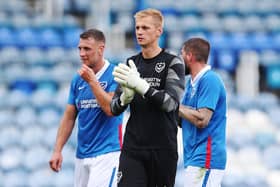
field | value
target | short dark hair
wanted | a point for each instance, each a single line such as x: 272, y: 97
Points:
x: 199, y: 47
x: 93, y: 33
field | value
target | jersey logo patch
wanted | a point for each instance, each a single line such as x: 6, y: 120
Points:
x: 160, y: 66
x: 81, y: 87
x: 103, y: 85
x: 119, y: 176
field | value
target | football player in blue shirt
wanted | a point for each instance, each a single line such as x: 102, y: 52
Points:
x: 203, y: 113
x: 99, y: 133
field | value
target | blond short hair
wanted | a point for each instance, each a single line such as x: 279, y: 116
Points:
x: 154, y: 13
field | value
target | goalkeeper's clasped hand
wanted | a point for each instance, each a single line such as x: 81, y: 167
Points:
x: 129, y: 77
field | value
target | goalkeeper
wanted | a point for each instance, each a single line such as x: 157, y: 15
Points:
x: 151, y: 83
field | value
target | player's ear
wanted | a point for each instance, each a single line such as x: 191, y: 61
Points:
x: 159, y: 31
x: 101, y: 49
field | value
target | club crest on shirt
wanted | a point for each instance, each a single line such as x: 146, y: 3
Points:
x: 193, y: 91
x: 103, y: 84
x: 119, y: 176
x: 159, y: 66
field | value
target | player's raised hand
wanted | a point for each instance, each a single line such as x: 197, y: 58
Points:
x: 128, y: 76
x: 87, y: 73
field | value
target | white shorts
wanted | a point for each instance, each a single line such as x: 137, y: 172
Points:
x: 202, y: 177
x: 100, y: 171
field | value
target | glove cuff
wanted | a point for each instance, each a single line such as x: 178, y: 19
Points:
x: 122, y: 99
x: 142, y: 87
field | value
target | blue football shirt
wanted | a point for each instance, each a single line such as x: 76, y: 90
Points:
x: 206, y: 147
x: 97, y: 133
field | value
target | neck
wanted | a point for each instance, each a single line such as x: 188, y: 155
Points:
x: 150, y: 51
x: 98, y: 66
x: 197, y: 68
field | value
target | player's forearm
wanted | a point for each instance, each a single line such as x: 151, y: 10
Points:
x: 116, y: 107
x: 193, y: 116
x: 103, y: 98
x: 63, y: 134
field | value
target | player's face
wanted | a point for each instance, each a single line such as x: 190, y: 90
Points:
x: 90, y: 51
x: 146, y: 30
x: 186, y: 60
x: 184, y: 56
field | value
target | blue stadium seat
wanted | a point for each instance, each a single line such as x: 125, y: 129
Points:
x: 50, y: 37
x: 276, y: 41
x: 272, y: 23
x: 233, y: 180
x: 175, y: 41
x: 32, y: 161
x: 43, y: 177
x: 271, y: 157
x: 268, y: 57
x: 1, y: 178
x: 226, y: 60
x: 274, y: 113
x: 211, y: 22
x: 253, y: 23
x: 56, y: 55
x: 25, y: 116
x: 253, y: 180
x: 49, y: 117
x: 267, y: 100
x: 265, y: 139
x: 245, y: 138
x: 32, y: 136
x: 5, y: 20
x: 27, y: 37
x: 15, y: 178
x: 24, y: 85
x: 50, y: 137
x: 6, y: 116
x: 260, y: 41
x: 82, y: 6
x: 219, y: 40
x: 34, y: 56
x: 233, y: 23
x: 20, y: 21
x: 65, y: 177
x: 17, y: 98
x: 69, y: 154
x: 10, y: 55
x: 9, y: 136
x: 72, y: 55
x: 43, y: 98
x: 15, y: 6
x: 227, y: 8
x: 191, y: 23
x: 71, y: 37
x: 172, y: 23
x: 11, y: 158
x: 7, y: 37
x: 240, y: 41
x: 61, y: 95
x: 63, y: 72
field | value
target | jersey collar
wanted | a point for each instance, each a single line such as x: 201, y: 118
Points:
x: 199, y: 75
x: 103, y: 69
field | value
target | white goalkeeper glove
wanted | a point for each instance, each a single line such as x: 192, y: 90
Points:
x: 127, y: 95
x: 129, y: 77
